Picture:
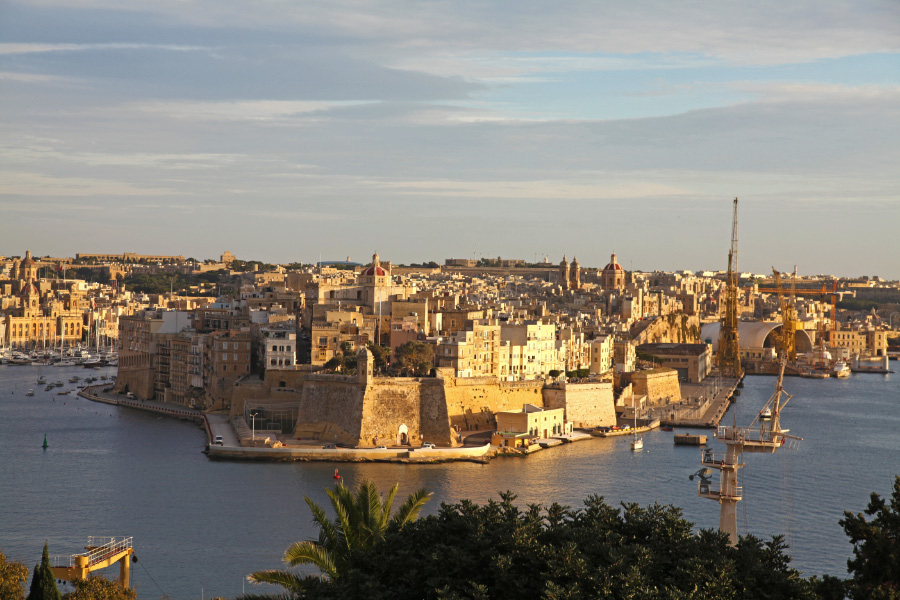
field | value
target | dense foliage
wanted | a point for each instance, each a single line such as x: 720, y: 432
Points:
x: 12, y: 579
x: 98, y: 588
x: 500, y: 551
x: 413, y: 359
x: 162, y: 283
x: 875, y: 566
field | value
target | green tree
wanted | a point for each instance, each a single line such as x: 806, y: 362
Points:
x: 875, y: 566
x: 98, y: 588
x: 501, y: 551
x: 414, y: 359
x: 381, y: 356
x: 362, y: 521
x: 43, y: 584
x: 348, y: 358
x: 12, y: 579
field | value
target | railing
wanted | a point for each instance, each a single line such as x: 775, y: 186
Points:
x: 752, y: 435
x: 709, y: 458
x: 102, y: 548
x: 715, y: 491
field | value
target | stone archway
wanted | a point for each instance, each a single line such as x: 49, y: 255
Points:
x: 402, y: 435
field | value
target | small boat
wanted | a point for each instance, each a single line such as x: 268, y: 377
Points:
x: 637, y: 443
x: 667, y: 428
x: 74, y: 379
x: 63, y: 393
x: 765, y: 413
x: 42, y: 379
x: 48, y: 388
x: 841, y: 370
x: 29, y: 393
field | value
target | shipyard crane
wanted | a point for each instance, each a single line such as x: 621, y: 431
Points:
x: 823, y: 291
x: 789, y: 323
x: 729, y: 355
x: 101, y: 552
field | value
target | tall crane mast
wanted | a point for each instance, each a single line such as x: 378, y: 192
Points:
x: 729, y: 355
x: 789, y: 322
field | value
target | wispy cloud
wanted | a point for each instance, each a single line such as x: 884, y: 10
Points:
x: 39, y: 185
x: 30, y: 48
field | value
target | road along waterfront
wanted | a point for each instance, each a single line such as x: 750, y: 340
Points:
x: 203, y: 525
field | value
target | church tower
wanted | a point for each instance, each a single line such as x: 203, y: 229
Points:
x: 564, y: 273
x: 575, y: 275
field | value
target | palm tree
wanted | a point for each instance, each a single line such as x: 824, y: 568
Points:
x: 362, y: 520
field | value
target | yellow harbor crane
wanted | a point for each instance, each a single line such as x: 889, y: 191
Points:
x: 101, y: 552
x: 789, y: 322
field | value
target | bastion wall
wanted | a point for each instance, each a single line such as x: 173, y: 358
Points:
x: 659, y: 385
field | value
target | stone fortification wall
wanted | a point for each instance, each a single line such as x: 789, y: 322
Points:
x: 331, y: 409
x: 340, y: 409
x: 284, y: 386
x: 472, y: 401
x: 415, y: 407
x: 586, y: 404
x: 140, y: 381
x: 659, y: 385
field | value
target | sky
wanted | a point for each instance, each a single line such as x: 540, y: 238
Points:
x: 287, y: 131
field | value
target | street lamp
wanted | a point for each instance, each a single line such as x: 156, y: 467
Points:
x: 253, y: 420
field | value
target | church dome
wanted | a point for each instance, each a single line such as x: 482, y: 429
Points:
x: 374, y: 271
x: 613, y: 265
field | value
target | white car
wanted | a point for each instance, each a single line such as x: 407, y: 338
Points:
x: 427, y: 446
x: 219, y: 440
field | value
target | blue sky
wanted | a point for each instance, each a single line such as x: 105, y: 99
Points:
x: 285, y: 130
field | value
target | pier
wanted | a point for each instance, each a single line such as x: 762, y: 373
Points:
x: 708, y: 412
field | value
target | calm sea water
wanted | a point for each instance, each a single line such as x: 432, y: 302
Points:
x: 200, y: 527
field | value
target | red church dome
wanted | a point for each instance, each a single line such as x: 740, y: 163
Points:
x: 374, y: 271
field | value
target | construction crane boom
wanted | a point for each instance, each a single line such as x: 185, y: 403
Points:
x: 729, y: 355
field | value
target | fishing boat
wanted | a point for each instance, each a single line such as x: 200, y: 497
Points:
x: 29, y: 393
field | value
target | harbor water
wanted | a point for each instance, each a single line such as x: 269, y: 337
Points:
x: 200, y: 526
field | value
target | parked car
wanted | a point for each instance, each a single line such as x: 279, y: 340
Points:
x: 218, y: 440
x: 329, y: 447
x: 381, y: 447
x: 427, y: 446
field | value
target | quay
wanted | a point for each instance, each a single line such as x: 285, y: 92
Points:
x: 97, y: 393
x: 709, y: 411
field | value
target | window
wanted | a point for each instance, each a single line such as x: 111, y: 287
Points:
x: 224, y: 345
